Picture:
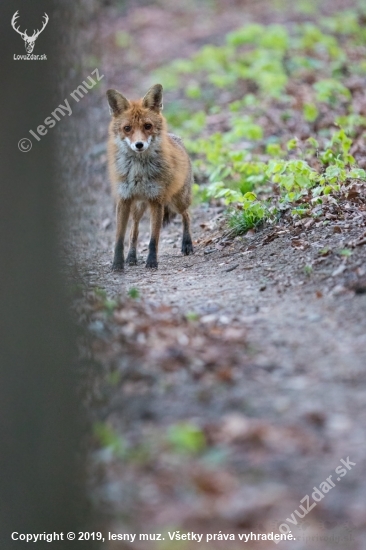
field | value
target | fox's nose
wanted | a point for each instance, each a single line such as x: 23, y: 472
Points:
x: 139, y: 145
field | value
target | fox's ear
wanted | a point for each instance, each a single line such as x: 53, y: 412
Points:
x: 117, y: 102
x: 154, y: 98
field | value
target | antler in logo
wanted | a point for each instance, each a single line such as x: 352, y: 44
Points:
x: 29, y: 40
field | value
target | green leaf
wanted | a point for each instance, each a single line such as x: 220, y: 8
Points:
x: 186, y: 438
x: 274, y: 149
x: 250, y: 196
x: 345, y: 252
x: 357, y: 173
x: 310, y: 112
x: 122, y: 39
x: 108, y: 438
x: 133, y: 293
x: 312, y: 141
x: 193, y: 90
x: 192, y: 316
x: 292, y: 144
x: 245, y: 35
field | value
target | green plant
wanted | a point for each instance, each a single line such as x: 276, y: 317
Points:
x: 294, y: 177
x: 186, y: 438
x: 251, y: 214
x: 108, y: 304
x: 351, y: 122
x: 134, y: 293
x: 310, y: 112
x: 331, y: 91
x: 108, y: 438
x: 122, y: 39
x: 192, y: 316
x: 248, y: 169
x: 346, y: 252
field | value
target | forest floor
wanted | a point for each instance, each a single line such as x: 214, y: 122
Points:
x: 228, y: 383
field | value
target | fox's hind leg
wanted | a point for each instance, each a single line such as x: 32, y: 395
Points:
x: 138, y: 210
x: 187, y: 246
x: 180, y: 203
x: 123, y: 212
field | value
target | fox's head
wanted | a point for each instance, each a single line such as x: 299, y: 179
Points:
x: 137, y: 123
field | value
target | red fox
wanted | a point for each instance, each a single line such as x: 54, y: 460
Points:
x: 147, y: 166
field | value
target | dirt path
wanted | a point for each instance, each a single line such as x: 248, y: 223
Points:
x: 258, y: 342
x: 272, y: 370
x: 263, y: 287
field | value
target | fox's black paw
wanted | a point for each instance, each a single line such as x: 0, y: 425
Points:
x: 187, y: 248
x: 152, y: 263
x: 117, y: 266
x: 131, y: 258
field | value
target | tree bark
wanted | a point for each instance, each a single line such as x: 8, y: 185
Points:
x: 41, y: 487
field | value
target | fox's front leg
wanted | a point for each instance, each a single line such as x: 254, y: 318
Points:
x: 138, y: 210
x: 157, y: 211
x: 122, y: 214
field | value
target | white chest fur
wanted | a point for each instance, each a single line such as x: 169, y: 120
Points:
x: 141, y: 173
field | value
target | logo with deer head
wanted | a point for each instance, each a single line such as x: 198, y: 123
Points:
x: 29, y: 41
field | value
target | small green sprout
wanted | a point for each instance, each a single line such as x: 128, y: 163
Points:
x: 134, y: 293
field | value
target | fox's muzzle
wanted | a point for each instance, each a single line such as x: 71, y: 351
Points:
x: 140, y: 145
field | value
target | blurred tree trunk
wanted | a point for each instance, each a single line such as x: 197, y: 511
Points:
x: 40, y: 429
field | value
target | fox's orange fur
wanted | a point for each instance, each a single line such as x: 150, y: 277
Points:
x: 147, y: 166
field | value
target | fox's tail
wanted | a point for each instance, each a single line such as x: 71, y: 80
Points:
x: 169, y: 215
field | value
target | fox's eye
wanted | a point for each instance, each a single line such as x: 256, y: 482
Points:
x: 147, y: 126
x: 127, y: 128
